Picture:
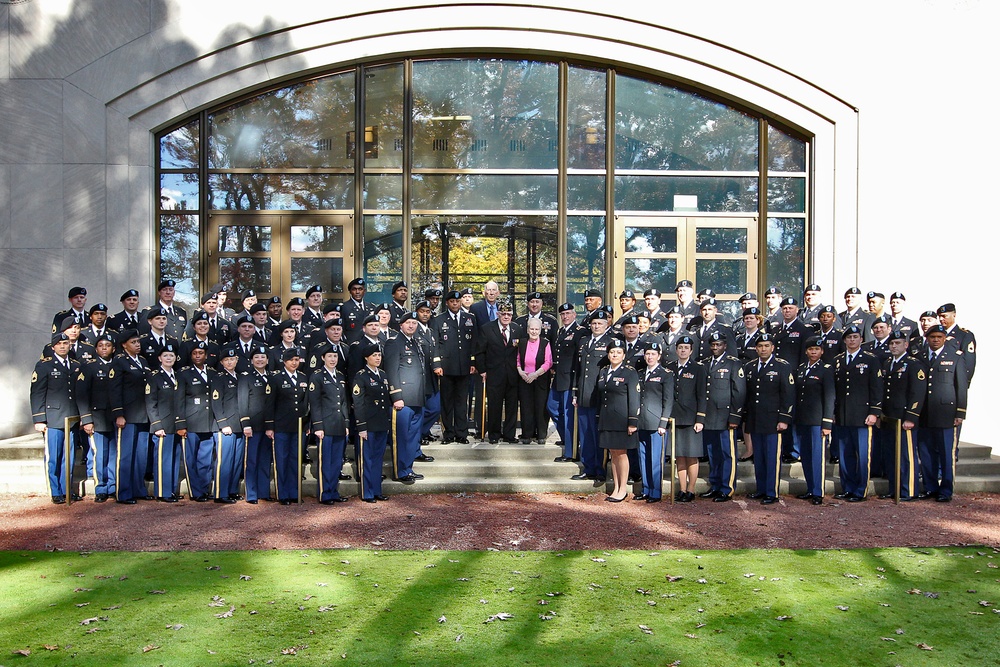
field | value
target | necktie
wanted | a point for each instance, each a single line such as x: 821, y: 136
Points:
x: 506, y: 339
x: 493, y: 312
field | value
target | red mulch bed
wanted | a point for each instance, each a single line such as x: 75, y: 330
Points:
x: 526, y: 521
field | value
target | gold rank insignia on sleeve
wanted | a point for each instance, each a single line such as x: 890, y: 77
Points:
x: 312, y: 386
x: 215, y: 395
x: 357, y: 390
x: 791, y: 379
x: 111, y: 374
x: 920, y: 375
x: 267, y: 389
x: 972, y: 347
x: 80, y: 378
x: 740, y: 371
x: 880, y: 372
x: 34, y: 377
x: 149, y: 389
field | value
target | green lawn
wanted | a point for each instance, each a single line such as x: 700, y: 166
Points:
x: 860, y: 608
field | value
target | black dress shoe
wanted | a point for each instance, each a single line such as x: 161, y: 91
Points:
x: 368, y: 500
x: 745, y: 459
x: 100, y: 498
x: 562, y: 459
x: 407, y: 479
x: 581, y: 477
x: 333, y: 501
x: 907, y: 499
x: 58, y: 500
x: 284, y: 501
x: 130, y: 501
x: 769, y: 500
x: 235, y: 496
x: 943, y: 499
x: 834, y: 460
x: 225, y: 501
x: 856, y: 499
x: 842, y: 495
x: 612, y: 499
x: 511, y: 441
x: 685, y: 498
x: 804, y: 496
x: 462, y: 441
x: 202, y: 498
x: 639, y: 496
x: 540, y: 441
x: 252, y: 502
x: 788, y: 458
x: 343, y: 477
x: 416, y: 475
x: 755, y: 496
x: 167, y: 499
x: 886, y: 496
x: 600, y: 479
x: 722, y: 499
x: 424, y: 458
x: 559, y: 443
x: 382, y: 498
x: 713, y: 493
x: 76, y: 497
x: 494, y: 441
x: 652, y: 500
x: 525, y: 441
x: 447, y: 441
x: 817, y: 500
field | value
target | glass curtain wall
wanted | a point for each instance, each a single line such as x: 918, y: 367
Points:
x: 469, y: 170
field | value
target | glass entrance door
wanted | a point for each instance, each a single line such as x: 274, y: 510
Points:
x: 281, y: 253
x: 457, y: 251
x: 712, y: 252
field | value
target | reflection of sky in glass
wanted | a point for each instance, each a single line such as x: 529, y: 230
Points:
x: 179, y: 192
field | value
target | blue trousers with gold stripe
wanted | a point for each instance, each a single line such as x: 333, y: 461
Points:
x: 166, y: 466
x: 228, y: 464
x: 907, y: 469
x: 560, y: 407
x: 651, y: 462
x: 103, y: 451
x: 813, y: 461
x: 133, y: 443
x: 721, y: 447
x: 407, y: 423
x: 370, y: 463
x: 257, y: 466
x: 55, y: 461
x: 855, y: 458
x: 331, y: 460
x: 286, y: 464
x: 199, y: 450
x: 938, y: 452
x: 766, y: 465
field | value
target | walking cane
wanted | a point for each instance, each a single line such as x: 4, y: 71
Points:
x: 68, y: 458
x: 673, y: 459
x: 576, y: 433
x: 184, y: 460
x: 899, y: 471
x: 299, y: 448
x: 482, y: 422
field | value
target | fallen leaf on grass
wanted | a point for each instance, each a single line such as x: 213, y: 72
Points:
x: 245, y: 577
x: 690, y: 635
x: 985, y: 603
x: 645, y: 629
x: 82, y: 604
x: 114, y: 606
x: 88, y: 621
x: 502, y: 616
x: 931, y: 595
x: 213, y: 567
x: 700, y: 625
x: 914, y: 591
x: 227, y: 614
x: 442, y: 619
x: 22, y: 651
x: 642, y: 591
x: 925, y: 647
x: 887, y: 639
x: 899, y: 631
x: 327, y: 607
x: 672, y: 578
x: 149, y: 647
x: 783, y: 618
x: 175, y: 626
x: 547, y: 616
x: 157, y: 592
x: 50, y: 647
x: 842, y: 607
x: 459, y: 638
x: 82, y: 590
x: 598, y: 560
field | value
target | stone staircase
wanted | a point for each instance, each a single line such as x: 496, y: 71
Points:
x: 480, y: 467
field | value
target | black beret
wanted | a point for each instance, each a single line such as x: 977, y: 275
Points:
x: 616, y: 344
x: 166, y: 283
x: 249, y: 293
x: 853, y: 329
x: 814, y: 341
x: 357, y: 282
x: 407, y: 316
x: 708, y: 302
x: 126, y: 335
x: 198, y: 316
x: 533, y: 295
x: 155, y: 312
x: 566, y: 306
x: 852, y: 290
x: 77, y: 291
x: 652, y: 291
x: 812, y: 287
x: 333, y: 322
x: 828, y: 309
x: 872, y: 295
x: 209, y: 296
x: 129, y: 293
x: 371, y: 349
x: 289, y: 353
x: 946, y: 308
x: 432, y: 292
x: 59, y: 337
x: 257, y: 308
x: 313, y: 290
x: 397, y: 285
x: 593, y: 293
x: 937, y: 328
x: 684, y: 339
x: 764, y: 338
x: 749, y: 296
x: 297, y: 301
x: 243, y: 319
x: 684, y: 283
x: 169, y: 347
x: 454, y: 294
x: 772, y: 290
x: 716, y: 337
x: 372, y: 317
x: 751, y: 311
x: 98, y: 308
x: 789, y: 301
x: 898, y: 335
x: 897, y: 295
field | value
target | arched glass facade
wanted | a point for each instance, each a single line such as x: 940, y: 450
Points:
x: 545, y: 175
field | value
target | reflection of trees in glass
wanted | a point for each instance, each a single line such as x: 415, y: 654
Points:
x: 786, y: 254
x: 317, y: 238
x: 179, y: 149
x: 584, y: 254
x: 656, y: 193
x: 383, y: 252
x: 179, y: 255
x: 296, y: 192
x: 384, y: 109
x: 244, y: 238
x: 328, y: 272
x: 485, y: 113
x: 304, y: 125
x: 243, y: 273
x: 644, y: 273
x: 784, y: 152
x: 786, y: 195
x: 725, y: 276
x: 586, y: 95
x: 520, y: 254
x: 484, y: 192
x: 662, y: 127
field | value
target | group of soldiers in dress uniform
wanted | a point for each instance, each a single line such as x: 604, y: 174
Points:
x: 223, y: 397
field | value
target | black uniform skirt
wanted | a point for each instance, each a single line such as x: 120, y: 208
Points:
x: 618, y: 440
x: 689, y: 443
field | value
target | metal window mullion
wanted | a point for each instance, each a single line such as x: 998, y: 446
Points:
x: 359, y: 168
x: 762, y: 157
x: 610, y: 224
x: 406, y: 241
